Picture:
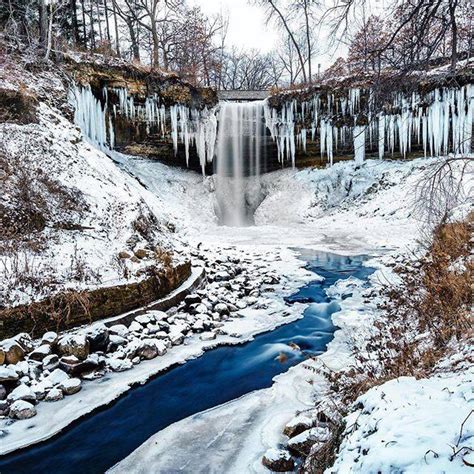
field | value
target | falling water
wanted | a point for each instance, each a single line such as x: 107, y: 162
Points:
x: 239, y: 161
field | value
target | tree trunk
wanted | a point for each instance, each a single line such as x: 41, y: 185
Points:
x: 308, y: 41
x: 84, y: 33
x: 292, y: 37
x: 43, y: 23
x: 117, y: 42
x: 107, y: 24
x: 99, y: 22
x: 156, y: 45
x: 454, y: 33
x: 50, y: 32
x: 133, y: 40
x: 75, y: 26
x: 92, y: 26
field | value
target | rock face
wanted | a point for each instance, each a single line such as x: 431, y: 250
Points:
x: 22, y: 410
x: 76, y: 345
x: 103, y: 303
x: 278, y: 460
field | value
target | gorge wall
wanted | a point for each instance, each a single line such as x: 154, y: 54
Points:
x: 157, y: 115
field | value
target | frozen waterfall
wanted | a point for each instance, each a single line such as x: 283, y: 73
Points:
x: 239, y: 160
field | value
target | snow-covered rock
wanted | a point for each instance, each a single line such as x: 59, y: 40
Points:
x: 57, y: 376
x: 278, y: 460
x: 22, y: 392
x: 70, y: 386
x: 22, y: 410
x: 74, y: 344
x: 54, y: 395
x: 40, y: 352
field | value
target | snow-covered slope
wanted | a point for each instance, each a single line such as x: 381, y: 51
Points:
x: 89, y: 209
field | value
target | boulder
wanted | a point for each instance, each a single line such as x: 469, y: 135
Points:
x: 297, y: 425
x: 151, y: 348
x: 50, y: 338
x: 22, y: 410
x: 222, y: 276
x: 7, y: 374
x: 278, y: 460
x: 98, y: 337
x: 144, y: 319
x: 57, y: 376
x: 115, y: 342
x: 2, y: 356
x: 198, y: 326
x: 302, y: 443
x: 176, y: 338
x: 40, y: 352
x: 159, y: 316
x: 51, y: 362
x: 136, y: 326
x: 22, y: 392
x: 13, y: 351
x: 123, y: 254
x: 25, y: 341
x: 54, y: 395
x: 192, y: 299
x: 3, y: 392
x: 118, y: 365
x: 42, y: 388
x: 221, y: 309
x: 73, y: 366
x: 70, y: 386
x: 4, y: 408
x: 74, y: 344
x: 208, y: 336
x: 140, y: 253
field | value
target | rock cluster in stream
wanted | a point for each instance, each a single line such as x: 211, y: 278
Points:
x: 55, y: 366
x: 307, y: 433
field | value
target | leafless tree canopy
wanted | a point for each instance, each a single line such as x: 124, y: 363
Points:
x: 170, y: 35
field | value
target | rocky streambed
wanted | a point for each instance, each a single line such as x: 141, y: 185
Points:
x: 237, y: 286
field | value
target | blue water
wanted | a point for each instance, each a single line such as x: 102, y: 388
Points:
x: 105, y: 437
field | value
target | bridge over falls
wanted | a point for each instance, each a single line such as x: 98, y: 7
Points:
x: 243, y: 95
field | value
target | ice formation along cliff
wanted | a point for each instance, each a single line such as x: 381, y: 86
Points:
x: 190, y: 126
x: 440, y: 121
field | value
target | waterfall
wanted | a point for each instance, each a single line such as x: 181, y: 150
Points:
x: 239, y: 160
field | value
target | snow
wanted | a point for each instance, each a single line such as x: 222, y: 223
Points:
x: 347, y: 209
x: 109, y: 198
x: 411, y: 426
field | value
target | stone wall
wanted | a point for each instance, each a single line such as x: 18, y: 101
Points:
x: 70, y: 308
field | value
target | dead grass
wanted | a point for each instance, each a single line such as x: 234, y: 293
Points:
x: 422, y: 318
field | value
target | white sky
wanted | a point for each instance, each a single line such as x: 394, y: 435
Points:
x: 247, y: 28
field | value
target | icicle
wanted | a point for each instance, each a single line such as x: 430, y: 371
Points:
x: 359, y: 143
x: 381, y: 135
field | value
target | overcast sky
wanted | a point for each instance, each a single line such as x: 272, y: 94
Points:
x: 247, y: 28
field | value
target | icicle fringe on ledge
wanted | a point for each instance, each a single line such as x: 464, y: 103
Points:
x: 188, y: 126
x: 441, y: 121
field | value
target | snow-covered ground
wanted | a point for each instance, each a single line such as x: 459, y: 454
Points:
x: 348, y: 209
x: 92, y: 213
